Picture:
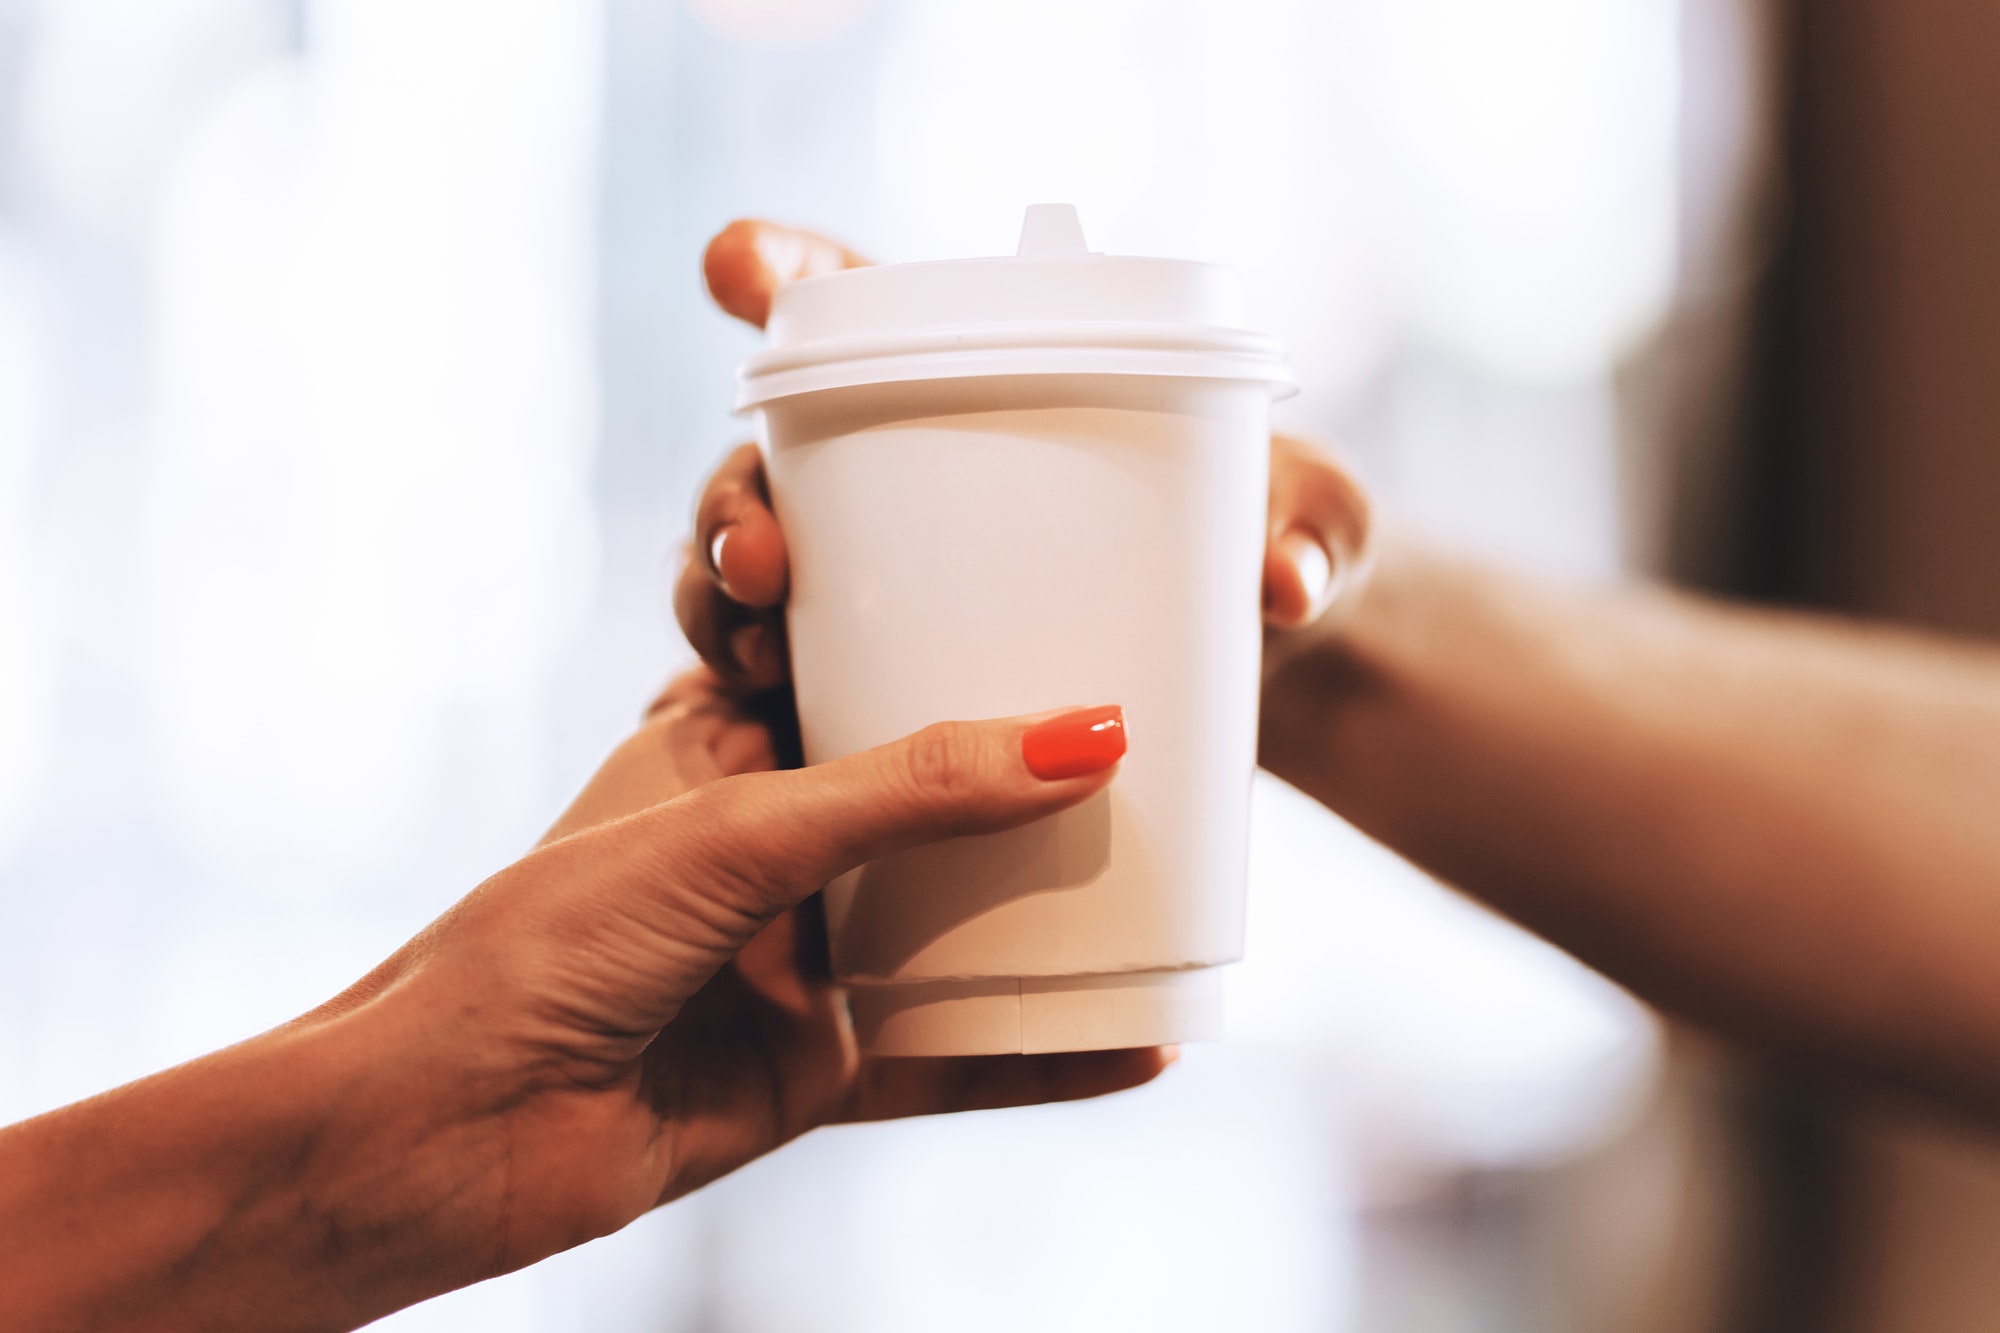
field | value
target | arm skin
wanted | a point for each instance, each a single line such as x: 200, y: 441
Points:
x: 615, y: 1020
x: 1786, y: 827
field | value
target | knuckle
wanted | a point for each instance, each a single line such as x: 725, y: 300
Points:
x: 695, y: 611
x: 740, y: 873
x: 731, y: 254
x: 944, y: 765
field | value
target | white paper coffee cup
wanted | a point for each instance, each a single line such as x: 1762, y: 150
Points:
x: 1008, y: 486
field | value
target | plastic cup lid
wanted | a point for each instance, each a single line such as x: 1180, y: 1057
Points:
x: 1053, y: 307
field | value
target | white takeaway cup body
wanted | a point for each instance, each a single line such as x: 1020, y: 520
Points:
x: 1008, y: 535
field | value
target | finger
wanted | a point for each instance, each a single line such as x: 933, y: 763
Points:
x: 793, y: 832
x: 1298, y: 578
x: 749, y: 260
x: 888, y: 1088
x: 769, y: 966
x: 660, y: 901
x: 734, y: 577
x: 708, y: 725
x: 1319, y: 536
x: 744, y: 646
x: 744, y: 745
x: 738, y: 537
x: 776, y: 711
x: 693, y: 733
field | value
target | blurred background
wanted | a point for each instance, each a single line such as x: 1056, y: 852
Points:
x: 355, y: 377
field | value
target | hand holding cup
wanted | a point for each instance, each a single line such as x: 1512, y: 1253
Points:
x: 993, y: 486
x: 731, y: 592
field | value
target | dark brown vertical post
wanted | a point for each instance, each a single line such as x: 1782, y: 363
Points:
x: 1881, y: 488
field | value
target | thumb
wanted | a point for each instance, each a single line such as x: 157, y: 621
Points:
x: 748, y: 261
x: 680, y: 888
x: 1321, y: 546
x: 766, y: 841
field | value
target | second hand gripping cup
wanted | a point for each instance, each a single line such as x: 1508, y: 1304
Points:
x: 1010, y: 486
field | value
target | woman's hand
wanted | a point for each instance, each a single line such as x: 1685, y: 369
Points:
x: 731, y: 593
x: 624, y: 1015
x: 652, y: 973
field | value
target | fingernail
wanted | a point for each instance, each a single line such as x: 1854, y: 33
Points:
x: 1085, y: 741
x: 1170, y: 1055
x: 1315, y: 570
x: 715, y: 545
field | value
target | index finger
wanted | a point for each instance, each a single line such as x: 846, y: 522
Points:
x: 735, y: 529
x: 750, y: 259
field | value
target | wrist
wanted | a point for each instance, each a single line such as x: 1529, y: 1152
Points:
x: 297, y: 1181
x: 404, y: 1187
x: 470, y: 1139
x: 383, y: 1177
x: 430, y: 1151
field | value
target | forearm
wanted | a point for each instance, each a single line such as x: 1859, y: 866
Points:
x: 1782, y: 827
x: 291, y: 1182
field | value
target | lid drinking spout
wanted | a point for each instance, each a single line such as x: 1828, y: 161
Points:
x: 1051, y: 229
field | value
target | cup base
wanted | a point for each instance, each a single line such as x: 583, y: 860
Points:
x: 1032, y: 1015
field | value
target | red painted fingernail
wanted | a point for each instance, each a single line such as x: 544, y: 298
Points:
x: 1069, y: 746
